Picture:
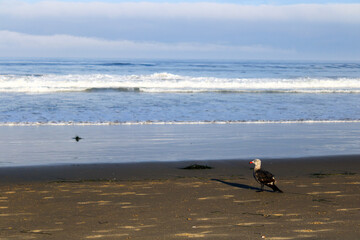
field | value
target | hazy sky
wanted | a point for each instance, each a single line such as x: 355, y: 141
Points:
x: 242, y: 29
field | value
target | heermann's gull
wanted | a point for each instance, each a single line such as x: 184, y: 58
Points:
x: 264, y: 177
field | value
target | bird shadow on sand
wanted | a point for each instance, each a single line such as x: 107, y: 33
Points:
x: 239, y: 185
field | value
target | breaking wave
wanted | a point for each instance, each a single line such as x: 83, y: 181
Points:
x: 171, y: 83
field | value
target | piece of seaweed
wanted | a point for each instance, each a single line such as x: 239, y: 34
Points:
x: 196, y: 166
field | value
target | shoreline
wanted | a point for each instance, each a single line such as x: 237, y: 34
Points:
x: 284, y: 167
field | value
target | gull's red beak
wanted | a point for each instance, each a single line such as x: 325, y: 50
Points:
x: 251, y: 162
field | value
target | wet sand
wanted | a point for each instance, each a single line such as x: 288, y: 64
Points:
x: 47, y: 144
x: 162, y: 201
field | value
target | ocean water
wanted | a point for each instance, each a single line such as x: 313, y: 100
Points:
x: 163, y: 110
x: 112, y: 91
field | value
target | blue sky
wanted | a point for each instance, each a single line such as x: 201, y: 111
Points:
x: 243, y: 29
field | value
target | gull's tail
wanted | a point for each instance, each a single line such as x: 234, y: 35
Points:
x: 275, y: 188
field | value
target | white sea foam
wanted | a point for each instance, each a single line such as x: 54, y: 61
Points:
x: 14, y: 124
x: 171, y: 83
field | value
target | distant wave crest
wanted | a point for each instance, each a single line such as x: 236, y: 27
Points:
x: 172, y: 83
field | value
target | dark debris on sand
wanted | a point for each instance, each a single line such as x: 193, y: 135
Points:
x: 196, y: 167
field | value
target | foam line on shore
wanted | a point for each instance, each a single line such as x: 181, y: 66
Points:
x: 4, y: 124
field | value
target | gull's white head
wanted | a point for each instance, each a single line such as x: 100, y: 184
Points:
x: 257, y: 163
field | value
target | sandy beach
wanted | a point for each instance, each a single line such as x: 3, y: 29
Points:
x: 163, y: 201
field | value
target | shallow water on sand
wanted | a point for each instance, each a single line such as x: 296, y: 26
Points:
x: 44, y: 145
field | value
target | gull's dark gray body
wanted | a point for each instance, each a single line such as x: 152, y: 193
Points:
x: 263, y: 177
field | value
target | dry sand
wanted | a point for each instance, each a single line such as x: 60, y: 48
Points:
x: 321, y: 200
